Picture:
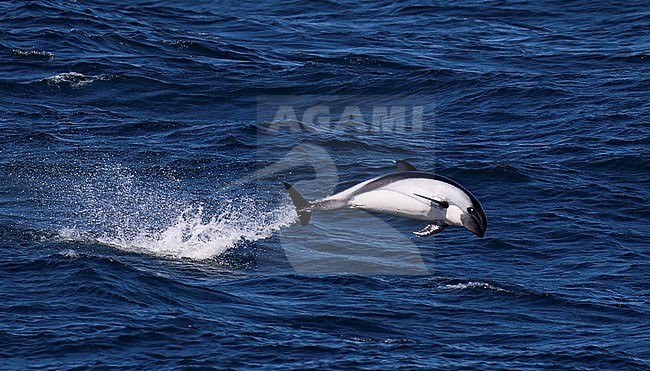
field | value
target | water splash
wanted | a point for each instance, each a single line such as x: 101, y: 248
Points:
x: 113, y: 205
x: 194, y: 235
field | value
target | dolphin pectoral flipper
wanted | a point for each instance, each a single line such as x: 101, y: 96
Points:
x: 431, y: 229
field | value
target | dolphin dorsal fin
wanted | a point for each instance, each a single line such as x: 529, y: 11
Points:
x: 404, y: 166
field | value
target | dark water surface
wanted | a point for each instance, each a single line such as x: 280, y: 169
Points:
x: 134, y: 233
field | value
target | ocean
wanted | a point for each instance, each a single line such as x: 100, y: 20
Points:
x: 144, y: 224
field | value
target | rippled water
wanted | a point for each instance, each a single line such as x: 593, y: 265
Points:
x: 143, y: 221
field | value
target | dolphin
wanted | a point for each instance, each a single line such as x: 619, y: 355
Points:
x: 408, y: 193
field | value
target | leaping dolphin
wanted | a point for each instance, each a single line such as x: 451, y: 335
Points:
x: 409, y: 193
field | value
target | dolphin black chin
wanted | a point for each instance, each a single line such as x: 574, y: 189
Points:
x: 476, y: 225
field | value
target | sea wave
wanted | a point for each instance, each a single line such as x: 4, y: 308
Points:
x: 36, y: 54
x: 473, y: 285
x: 76, y: 79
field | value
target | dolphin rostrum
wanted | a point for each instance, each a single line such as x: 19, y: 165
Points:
x: 409, y: 193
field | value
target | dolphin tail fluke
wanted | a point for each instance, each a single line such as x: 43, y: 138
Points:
x: 303, y: 207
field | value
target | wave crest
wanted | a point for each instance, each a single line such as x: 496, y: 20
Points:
x: 36, y: 54
x: 473, y: 285
x: 75, y: 79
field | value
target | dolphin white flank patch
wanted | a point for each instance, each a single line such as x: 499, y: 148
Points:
x: 408, y: 193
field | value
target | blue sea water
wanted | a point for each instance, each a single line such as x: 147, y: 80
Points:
x: 141, y: 224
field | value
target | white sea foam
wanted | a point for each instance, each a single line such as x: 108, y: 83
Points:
x: 472, y: 285
x: 194, y: 235
x: 72, y: 254
x: 33, y: 53
x: 75, y: 79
